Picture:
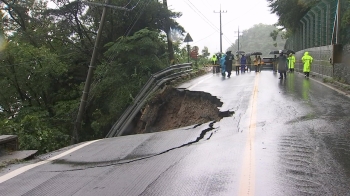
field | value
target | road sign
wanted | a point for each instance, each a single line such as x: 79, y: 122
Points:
x: 194, y: 54
x: 188, y: 38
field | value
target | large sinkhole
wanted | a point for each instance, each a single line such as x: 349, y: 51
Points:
x: 173, y: 108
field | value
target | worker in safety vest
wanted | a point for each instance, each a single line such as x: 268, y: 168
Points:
x: 291, y: 62
x: 213, y: 61
x: 307, y: 60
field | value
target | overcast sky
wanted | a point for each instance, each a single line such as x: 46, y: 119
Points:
x: 200, y: 21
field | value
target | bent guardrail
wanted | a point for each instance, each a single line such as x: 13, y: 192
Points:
x: 153, y: 83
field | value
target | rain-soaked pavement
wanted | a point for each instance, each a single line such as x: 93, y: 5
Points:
x: 286, y: 137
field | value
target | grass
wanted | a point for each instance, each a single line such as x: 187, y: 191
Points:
x: 339, y: 83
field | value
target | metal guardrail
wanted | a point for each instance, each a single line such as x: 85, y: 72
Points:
x: 153, y: 83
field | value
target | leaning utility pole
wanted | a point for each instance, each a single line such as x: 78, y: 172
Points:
x: 77, y: 125
x: 221, y: 11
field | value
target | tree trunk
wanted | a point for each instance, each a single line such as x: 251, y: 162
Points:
x: 168, y: 35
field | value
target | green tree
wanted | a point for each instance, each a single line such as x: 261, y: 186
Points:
x: 205, y: 52
x: 257, y: 39
x: 46, y: 60
x: 136, y: 58
x: 290, y: 12
x: 31, y: 89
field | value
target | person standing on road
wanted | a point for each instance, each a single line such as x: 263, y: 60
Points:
x: 228, y: 62
x: 213, y: 61
x: 291, y: 62
x: 237, y: 64
x: 275, y: 63
x: 222, y: 65
x: 257, y: 62
x: 249, y: 63
x: 307, y: 60
x: 243, y: 63
x: 282, y: 65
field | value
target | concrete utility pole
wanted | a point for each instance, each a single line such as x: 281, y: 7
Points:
x: 85, y: 95
x: 238, y: 38
x: 238, y: 34
x: 221, y: 11
x: 77, y: 125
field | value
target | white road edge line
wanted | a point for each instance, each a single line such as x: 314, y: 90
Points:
x: 194, y: 85
x: 31, y: 166
x: 331, y: 87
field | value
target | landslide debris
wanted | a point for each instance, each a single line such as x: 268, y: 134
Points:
x: 173, y: 108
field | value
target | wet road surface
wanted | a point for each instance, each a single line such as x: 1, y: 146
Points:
x: 286, y: 137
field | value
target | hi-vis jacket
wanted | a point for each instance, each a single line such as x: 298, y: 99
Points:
x: 214, y: 59
x: 291, y: 61
x: 307, y: 60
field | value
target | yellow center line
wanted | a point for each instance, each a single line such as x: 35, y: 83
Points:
x: 247, y: 181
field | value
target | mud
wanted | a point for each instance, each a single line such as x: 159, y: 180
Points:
x: 173, y: 108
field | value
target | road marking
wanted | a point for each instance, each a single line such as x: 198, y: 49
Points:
x: 31, y: 166
x: 204, y: 79
x: 331, y: 87
x: 247, y: 182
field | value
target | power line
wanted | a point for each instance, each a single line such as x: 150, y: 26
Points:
x: 199, y: 13
x: 244, y: 14
x: 205, y: 37
x: 109, y: 5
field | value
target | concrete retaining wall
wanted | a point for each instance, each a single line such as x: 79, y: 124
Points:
x: 321, y: 65
x: 342, y: 70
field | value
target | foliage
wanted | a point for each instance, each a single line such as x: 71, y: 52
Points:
x: 205, y: 52
x: 345, y: 23
x: 32, y: 85
x: 35, y: 133
x: 290, y: 12
x: 257, y: 39
x: 45, y: 56
x: 135, y: 59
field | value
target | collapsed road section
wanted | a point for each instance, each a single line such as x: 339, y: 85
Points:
x: 174, y: 108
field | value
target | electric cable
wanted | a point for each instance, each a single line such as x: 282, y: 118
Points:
x: 205, y: 19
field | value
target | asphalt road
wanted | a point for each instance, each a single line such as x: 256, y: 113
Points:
x: 286, y: 137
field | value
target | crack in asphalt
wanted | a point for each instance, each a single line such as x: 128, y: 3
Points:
x: 112, y: 163
x: 159, y: 176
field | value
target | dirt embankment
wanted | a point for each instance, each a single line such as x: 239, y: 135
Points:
x: 173, y: 108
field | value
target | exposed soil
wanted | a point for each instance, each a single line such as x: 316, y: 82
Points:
x: 173, y: 108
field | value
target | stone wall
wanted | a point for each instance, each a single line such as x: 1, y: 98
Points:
x: 321, y: 65
x: 342, y: 70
